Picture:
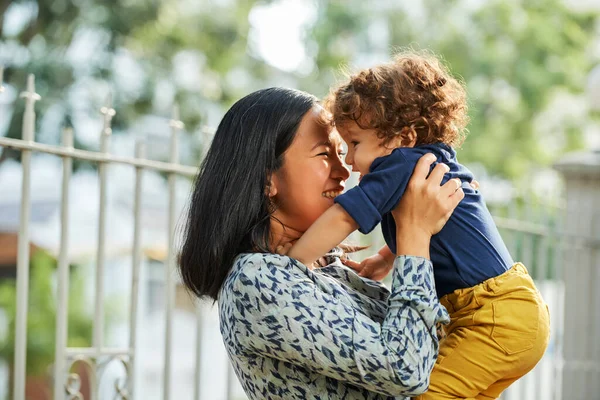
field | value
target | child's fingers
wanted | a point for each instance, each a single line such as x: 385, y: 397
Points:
x: 283, y: 249
x: 352, y: 264
x: 367, y: 271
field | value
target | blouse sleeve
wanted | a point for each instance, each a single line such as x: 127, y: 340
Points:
x: 291, y: 319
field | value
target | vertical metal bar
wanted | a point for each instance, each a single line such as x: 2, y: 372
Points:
x: 98, y: 340
x: 513, y: 246
x: 543, y: 369
x: 62, y: 303
x: 571, y: 304
x: 588, y: 286
x: 30, y: 97
x: 558, y: 302
x: 198, y: 371
x: 528, y: 239
x: 528, y: 382
x: 176, y: 126
x: 230, y: 380
x: 543, y: 247
x: 137, y: 260
x: 1, y: 78
x: 595, y: 267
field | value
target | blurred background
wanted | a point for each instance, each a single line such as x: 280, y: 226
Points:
x: 529, y: 70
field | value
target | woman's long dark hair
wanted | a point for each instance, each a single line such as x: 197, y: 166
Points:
x: 229, y: 209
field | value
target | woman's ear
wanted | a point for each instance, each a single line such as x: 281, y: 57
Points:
x: 271, y: 189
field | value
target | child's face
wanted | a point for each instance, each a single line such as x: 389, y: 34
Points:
x: 363, y: 147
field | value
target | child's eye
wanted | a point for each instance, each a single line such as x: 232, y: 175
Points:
x: 342, y: 153
x: 323, y: 154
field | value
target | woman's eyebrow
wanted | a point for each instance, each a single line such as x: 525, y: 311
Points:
x: 322, y: 143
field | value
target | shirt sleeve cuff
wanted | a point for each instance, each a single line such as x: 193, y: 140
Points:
x: 414, y: 280
x: 361, y: 209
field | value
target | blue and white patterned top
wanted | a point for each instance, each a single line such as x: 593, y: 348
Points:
x: 296, y: 333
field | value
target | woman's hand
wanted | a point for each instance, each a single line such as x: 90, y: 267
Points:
x: 425, y: 207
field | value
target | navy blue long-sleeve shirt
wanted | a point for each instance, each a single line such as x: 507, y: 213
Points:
x: 466, y: 252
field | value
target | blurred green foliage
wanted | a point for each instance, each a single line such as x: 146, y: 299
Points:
x: 41, y: 315
x: 514, y: 56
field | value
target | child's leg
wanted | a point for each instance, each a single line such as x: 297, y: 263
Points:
x: 499, y: 331
x: 494, y: 391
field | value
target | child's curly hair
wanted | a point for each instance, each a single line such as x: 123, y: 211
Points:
x: 414, y: 92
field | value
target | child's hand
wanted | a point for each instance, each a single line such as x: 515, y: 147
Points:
x: 283, y: 249
x: 375, y: 267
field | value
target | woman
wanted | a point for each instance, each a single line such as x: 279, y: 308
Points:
x: 294, y: 331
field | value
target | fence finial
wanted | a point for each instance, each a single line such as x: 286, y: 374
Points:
x: 30, y: 97
x: 108, y: 113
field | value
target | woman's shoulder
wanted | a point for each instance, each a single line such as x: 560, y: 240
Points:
x: 252, y: 263
x: 257, y: 269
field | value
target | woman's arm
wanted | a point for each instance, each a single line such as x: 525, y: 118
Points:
x: 291, y: 319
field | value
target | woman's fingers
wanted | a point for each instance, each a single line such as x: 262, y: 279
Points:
x: 423, y: 166
x: 474, y: 184
x: 451, y: 194
x: 436, y: 176
x: 456, y: 197
x: 450, y: 187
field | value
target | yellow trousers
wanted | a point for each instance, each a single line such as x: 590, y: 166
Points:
x: 499, y: 330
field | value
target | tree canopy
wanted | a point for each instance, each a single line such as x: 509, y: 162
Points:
x: 518, y: 59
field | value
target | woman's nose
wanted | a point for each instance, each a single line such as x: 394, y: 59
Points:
x: 339, y: 170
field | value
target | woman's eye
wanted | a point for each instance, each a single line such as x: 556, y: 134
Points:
x: 354, y: 143
x: 323, y: 154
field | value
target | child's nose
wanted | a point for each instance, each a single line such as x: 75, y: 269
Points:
x: 349, y: 159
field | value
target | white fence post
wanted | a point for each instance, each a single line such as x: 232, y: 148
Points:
x: 30, y: 97
x: 176, y: 126
x: 581, y: 347
x: 62, y: 295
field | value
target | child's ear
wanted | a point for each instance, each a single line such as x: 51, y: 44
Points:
x: 408, y: 137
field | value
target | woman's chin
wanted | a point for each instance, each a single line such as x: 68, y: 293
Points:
x: 329, y: 200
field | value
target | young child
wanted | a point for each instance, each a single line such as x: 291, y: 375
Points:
x: 390, y: 116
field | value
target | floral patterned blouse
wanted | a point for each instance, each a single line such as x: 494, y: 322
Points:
x: 296, y: 333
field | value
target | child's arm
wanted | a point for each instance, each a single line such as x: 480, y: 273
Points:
x: 329, y: 230
x: 387, y: 254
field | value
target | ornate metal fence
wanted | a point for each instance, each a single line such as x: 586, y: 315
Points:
x: 98, y: 356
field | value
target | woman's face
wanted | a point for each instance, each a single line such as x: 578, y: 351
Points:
x: 311, y: 176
